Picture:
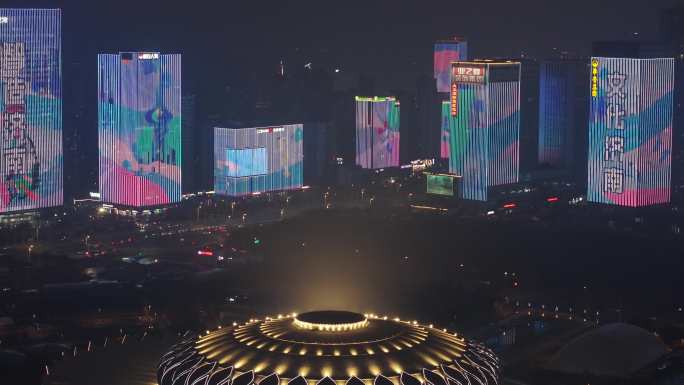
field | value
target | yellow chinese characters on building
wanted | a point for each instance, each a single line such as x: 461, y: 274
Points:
x: 594, y: 77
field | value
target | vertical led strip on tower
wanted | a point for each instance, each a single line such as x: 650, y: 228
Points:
x: 446, y: 128
x: 377, y: 132
x: 630, y: 131
x: 446, y: 52
x: 485, y: 127
x: 139, y: 106
x: 31, y: 158
x: 556, y: 112
x: 259, y: 159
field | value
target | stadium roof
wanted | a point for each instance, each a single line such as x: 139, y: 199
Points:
x: 326, y: 348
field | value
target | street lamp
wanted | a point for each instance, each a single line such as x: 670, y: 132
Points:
x: 87, y: 237
x: 30, y: 248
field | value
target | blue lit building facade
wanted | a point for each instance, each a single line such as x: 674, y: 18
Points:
x: 557, y: 96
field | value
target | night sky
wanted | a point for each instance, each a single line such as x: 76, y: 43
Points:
x: 222, y: 40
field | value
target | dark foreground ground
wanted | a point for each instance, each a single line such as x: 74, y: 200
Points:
x: 461, y: 274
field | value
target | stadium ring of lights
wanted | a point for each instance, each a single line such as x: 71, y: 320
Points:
x: 331, y: 321
x: 372, y: 350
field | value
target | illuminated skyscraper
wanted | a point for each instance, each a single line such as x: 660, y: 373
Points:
x: 557, y: 113
x: 630, y: 131
x: 191, y: 153
x: 377, y: 132
x: 485, y: 128
x: 31, y: 157
x: 446, y: 52
x: 259, y: 159
x: 446, y: 128
x: 139, y: 107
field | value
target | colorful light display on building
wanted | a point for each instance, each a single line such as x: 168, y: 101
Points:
x: 259, y: 159
x: 139, y: 108
x: 446, y: 129
x: 446, y: 52
x: 630, y: 131
x: 484, y: 136
x: 556, y: 112
x: 31, y: 158
x: 377, y: 132
x: 440, y: 184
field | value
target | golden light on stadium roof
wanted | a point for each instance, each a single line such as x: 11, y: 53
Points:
x: 331, y: 321
x: 328, y: 348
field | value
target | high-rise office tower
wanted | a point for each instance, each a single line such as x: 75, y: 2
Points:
x: 377, y: 132
x: 446, y: 52
x: 139, y: 108
x: 630, y: 131
x: 31, y: 156
x: 556, y: 112
x: 484, y: 136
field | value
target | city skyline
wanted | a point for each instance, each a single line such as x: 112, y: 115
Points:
x: 392, y: 144
x: 341, y: 193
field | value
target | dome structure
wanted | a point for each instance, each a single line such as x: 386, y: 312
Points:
x: 614, y: 350
x: 328, y: 348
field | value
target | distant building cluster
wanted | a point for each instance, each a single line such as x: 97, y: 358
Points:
x: 608, y: 120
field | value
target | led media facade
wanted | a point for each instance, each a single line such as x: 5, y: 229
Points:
x: 377, y: 132
x: 447, y: 125
x: 440, y: 184
x: 255, y: 160
x: 246, y: 162
x: 31, y: 161
x: 446, y: 52
x: 484, y: 134
x: 139, y: 108
x: 630, y: 131
x: 556, y: 112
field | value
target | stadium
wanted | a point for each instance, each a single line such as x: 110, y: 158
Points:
x: 328, y: 348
